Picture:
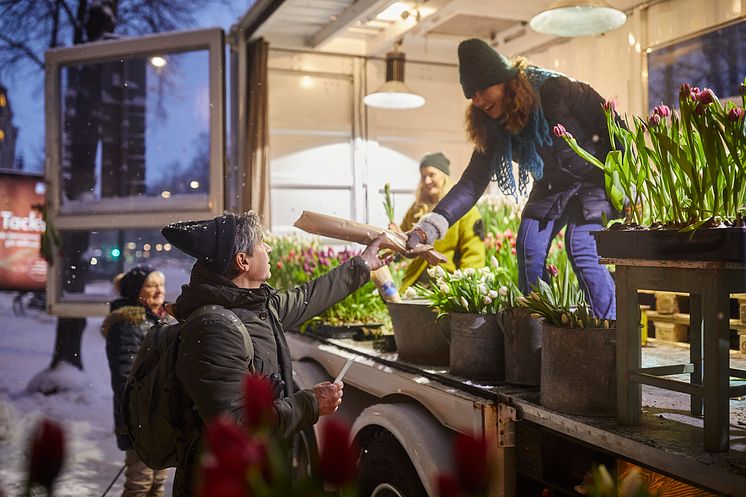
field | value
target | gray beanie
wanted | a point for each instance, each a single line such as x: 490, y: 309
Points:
x: 438, y: 161
x: 480, y: 66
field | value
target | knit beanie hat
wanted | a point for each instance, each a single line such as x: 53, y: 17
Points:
x: 438, y: 161
x: 132, y: 282
x: 212, y: 241
x: 480, y: 66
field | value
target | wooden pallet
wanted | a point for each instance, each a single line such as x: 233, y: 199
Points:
x: 681, y: 320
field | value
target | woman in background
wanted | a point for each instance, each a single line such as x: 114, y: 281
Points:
x: 462, y: 244
x: 143, y: 292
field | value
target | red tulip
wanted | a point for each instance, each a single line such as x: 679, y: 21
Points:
x: 338, y: 456
x: 233, y: 452
x: 216, y: 482
x: 47, y: 453
x: 609, y: 105
x: 259, y: 401
x: 472, y: 466
x: 447, y: 486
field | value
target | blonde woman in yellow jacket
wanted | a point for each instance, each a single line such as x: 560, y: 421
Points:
x: 461, y: 244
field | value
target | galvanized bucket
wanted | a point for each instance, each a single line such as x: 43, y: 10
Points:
x: 420, y: 338
x: 477, y: 348
x: 522, y: 335
x: 578, y: 370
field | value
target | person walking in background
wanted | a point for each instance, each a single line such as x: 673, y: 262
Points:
x: 143, y: 292
x: 513, y: 107
x: 462, y: 243
x: 233, y: 265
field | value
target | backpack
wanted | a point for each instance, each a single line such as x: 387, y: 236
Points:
x: 153, y: 400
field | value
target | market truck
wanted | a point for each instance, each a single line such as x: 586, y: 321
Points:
x: 145, y: 131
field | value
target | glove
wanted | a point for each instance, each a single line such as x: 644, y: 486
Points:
x: 278, y: 385
x: 431, y: 227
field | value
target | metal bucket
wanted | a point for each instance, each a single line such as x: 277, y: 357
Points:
x: 477, y: 349
x: 419, y: 337
x: 522, y: 335
x: 578, y: 370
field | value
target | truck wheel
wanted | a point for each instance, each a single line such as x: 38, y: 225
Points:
x: 303, y: 455
x: 386, y: 471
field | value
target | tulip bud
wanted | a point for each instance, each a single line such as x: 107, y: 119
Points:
x: 233, y: 452
x: 706, y: 96
x: 47, y: 454
x: 662, y: 110
x: 654, y: 120
x: 552, y: 270
x: 559, y: 130
x: 735, y: 114
x: 685, y: 90
x: 338, y: 456
x: 258, y: 400
x: 609, y: 105
x: 472, y: 466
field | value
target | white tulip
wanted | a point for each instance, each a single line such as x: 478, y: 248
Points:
x: 487, y: 300
x: 409, y: 293
x: 465, y: 303
x: 493, y: 261
x: 503, y: 291
x: 493, y: 293
x: 470, y: 271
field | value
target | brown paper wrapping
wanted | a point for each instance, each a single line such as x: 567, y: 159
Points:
x: 352, y: 231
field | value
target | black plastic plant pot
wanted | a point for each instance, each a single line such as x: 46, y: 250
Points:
x: 704, y: 244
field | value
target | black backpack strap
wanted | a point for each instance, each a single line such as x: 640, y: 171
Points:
x: 207, y: 310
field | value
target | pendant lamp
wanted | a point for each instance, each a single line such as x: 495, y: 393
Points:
x: 394, y: 94
x: 578, y: 18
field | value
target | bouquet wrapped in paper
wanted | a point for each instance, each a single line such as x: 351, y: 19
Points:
x: 352, y: 231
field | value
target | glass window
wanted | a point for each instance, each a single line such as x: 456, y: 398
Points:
x: 135, y: 134
x: 715, y: 60
x: 91, y: 260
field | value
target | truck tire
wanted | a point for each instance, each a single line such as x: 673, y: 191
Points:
x: 386, y: 471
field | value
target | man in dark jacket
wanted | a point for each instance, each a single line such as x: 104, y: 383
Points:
x: 231, y: 270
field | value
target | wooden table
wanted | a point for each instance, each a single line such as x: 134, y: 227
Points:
x: 709, y: 285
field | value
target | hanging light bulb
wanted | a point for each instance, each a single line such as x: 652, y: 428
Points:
x: 578, y: 18
x: 394, y: 94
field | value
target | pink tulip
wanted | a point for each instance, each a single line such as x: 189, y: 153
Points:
x: 662, y: 110
x: 559, y: 131
x: 735, y: 114
x: 654, y: 120
x: 609, y: 105
x: 552, y: 270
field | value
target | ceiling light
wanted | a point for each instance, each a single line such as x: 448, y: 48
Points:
x: 578, y: 18
x: 394, y: 94
x: 393, y: 12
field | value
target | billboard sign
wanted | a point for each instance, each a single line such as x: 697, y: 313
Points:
x: 21, y: 266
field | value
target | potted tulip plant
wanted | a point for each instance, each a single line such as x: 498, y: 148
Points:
x: 679, y: 176
x: 578, y: 350
x: 471, y: 299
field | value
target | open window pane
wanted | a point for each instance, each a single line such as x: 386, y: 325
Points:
x: 135, y: 134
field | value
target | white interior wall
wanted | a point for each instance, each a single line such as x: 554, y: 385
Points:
x: 320, y: 160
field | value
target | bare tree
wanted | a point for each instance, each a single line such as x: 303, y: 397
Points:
x: 30, y: 27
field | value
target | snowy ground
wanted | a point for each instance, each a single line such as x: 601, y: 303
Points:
x: 85, y: 411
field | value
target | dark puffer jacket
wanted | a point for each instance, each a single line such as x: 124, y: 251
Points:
x: 212, y: 359
x: 124, y: 329
x: 578, y: 107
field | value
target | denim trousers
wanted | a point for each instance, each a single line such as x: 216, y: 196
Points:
x: 534, y: 239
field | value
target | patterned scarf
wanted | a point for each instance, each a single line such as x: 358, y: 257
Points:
x: 520, y: 147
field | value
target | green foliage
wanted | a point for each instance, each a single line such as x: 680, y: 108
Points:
x: 388, y: 203
x: 561, y: 303
x: 681, y: 170
x: 298, y: 260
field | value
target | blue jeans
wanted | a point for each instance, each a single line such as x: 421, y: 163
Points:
x: 534, y: 239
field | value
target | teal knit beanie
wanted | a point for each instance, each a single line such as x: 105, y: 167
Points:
x: 438, y: 161
x: 480, y: 66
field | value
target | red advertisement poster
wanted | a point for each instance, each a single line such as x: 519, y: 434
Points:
x: 21, y: 265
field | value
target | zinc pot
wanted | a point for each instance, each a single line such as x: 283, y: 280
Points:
x: 522, y: 337
x: 420, y: 337
x: 703, y: 244
x: 578, y: 370
x: 477, y: 348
